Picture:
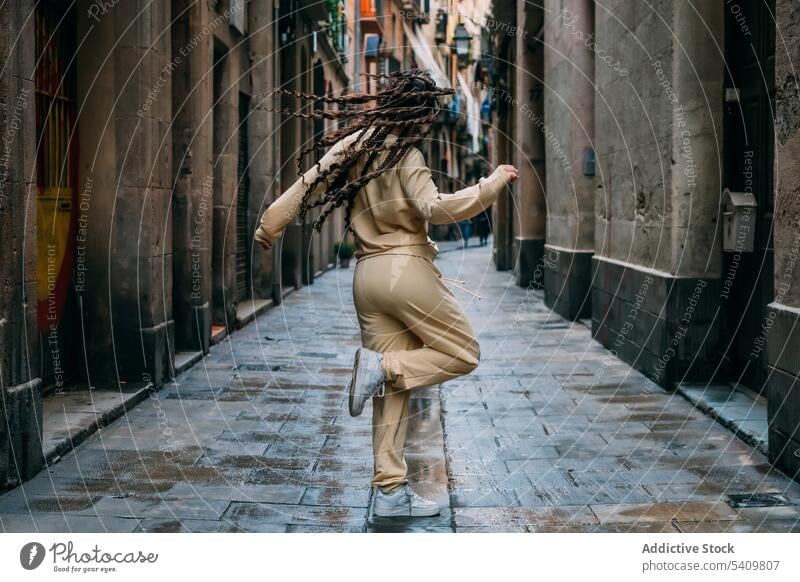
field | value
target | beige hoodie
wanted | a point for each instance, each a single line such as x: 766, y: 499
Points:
x: 391, y: 213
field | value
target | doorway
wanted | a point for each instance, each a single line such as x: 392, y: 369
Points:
x: 242, y: 201
x: 306, y: 135
x: 748, y: 166
x: 223, y: 246
x: 56, y: 191
x: 319, y: 240
x: 290, y: 275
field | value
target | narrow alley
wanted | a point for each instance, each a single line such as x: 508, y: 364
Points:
x: 551, y: 433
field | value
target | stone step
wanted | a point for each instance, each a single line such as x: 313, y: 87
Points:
x: 734, y: 406
x: 71, y: 415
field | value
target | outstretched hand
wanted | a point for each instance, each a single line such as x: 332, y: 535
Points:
x: 266, y: 245
x: 511, y: 172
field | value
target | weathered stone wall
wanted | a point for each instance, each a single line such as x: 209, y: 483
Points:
x: 501, y: 134
x: 333, y: 229
x: 192, y: 197
x: 226, y: 79
x: 569, y: 114
x: 528, y: 145
x: 658, y: 125
x: 787, y: 156
x: 634, y: 134
x: 658, y: 110
x: 18, y: 226
x: 20, y: 405
x: 124, y: 97
x: 783, y: 317
x: 263, y: 134
x: 569, y: 135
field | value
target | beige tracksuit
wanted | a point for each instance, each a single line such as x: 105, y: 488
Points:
x: 405, y: 311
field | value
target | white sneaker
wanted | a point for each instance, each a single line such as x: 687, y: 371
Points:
x: 403, y: 503
x: 368, y: 379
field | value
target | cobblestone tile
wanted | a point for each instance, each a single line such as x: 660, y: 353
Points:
x: 770, y: 526
x: 608, y: 528
x: 186, y: 508
x: 18, y: 502
x: 55, y: 522
x: 336, y: 496
x: 661, y: 512
x: 250, y: 515
x: 585, y: 495
x: 496, y: 529
x: 484, y: 498
x: 294, y: 528
x: 283, y: 493
x: 522, y: 516
x: 206, y: 526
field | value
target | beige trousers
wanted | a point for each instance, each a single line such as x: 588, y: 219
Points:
x: 407, y: 313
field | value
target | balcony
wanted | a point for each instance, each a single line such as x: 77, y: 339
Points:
x: 371, y: 16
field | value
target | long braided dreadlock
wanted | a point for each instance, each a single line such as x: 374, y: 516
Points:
x: 408, y: 102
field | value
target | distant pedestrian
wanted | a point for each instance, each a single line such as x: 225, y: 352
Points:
x: 466, y: 231
x: 481, y: 223
x: 413, y: 330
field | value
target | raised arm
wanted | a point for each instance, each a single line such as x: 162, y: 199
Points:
x: 439, y: 208
x: 281, y: 212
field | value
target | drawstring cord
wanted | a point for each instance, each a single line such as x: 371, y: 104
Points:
x: 460, y: 285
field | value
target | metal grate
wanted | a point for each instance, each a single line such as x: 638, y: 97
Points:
x: 741, y: 500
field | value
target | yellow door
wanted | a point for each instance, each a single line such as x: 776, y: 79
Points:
x: 55, y: 159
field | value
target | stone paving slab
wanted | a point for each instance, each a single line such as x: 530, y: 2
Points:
x: 682, y: 511
x: 550, y: 434
x: 205, y: 526
x: 66, y: 522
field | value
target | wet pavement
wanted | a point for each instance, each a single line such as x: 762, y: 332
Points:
x: 551, y: 433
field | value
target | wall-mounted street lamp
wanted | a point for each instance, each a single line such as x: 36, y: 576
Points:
x: 461, y: 41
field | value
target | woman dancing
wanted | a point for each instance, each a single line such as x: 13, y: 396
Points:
x: 413, y: 331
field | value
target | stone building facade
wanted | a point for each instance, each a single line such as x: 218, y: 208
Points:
x: 519, y: 217
x: 781, y: 322
x: 657, y: 205
x: 661, y: 210
x: 139, y: 152
x: 569, y: 111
